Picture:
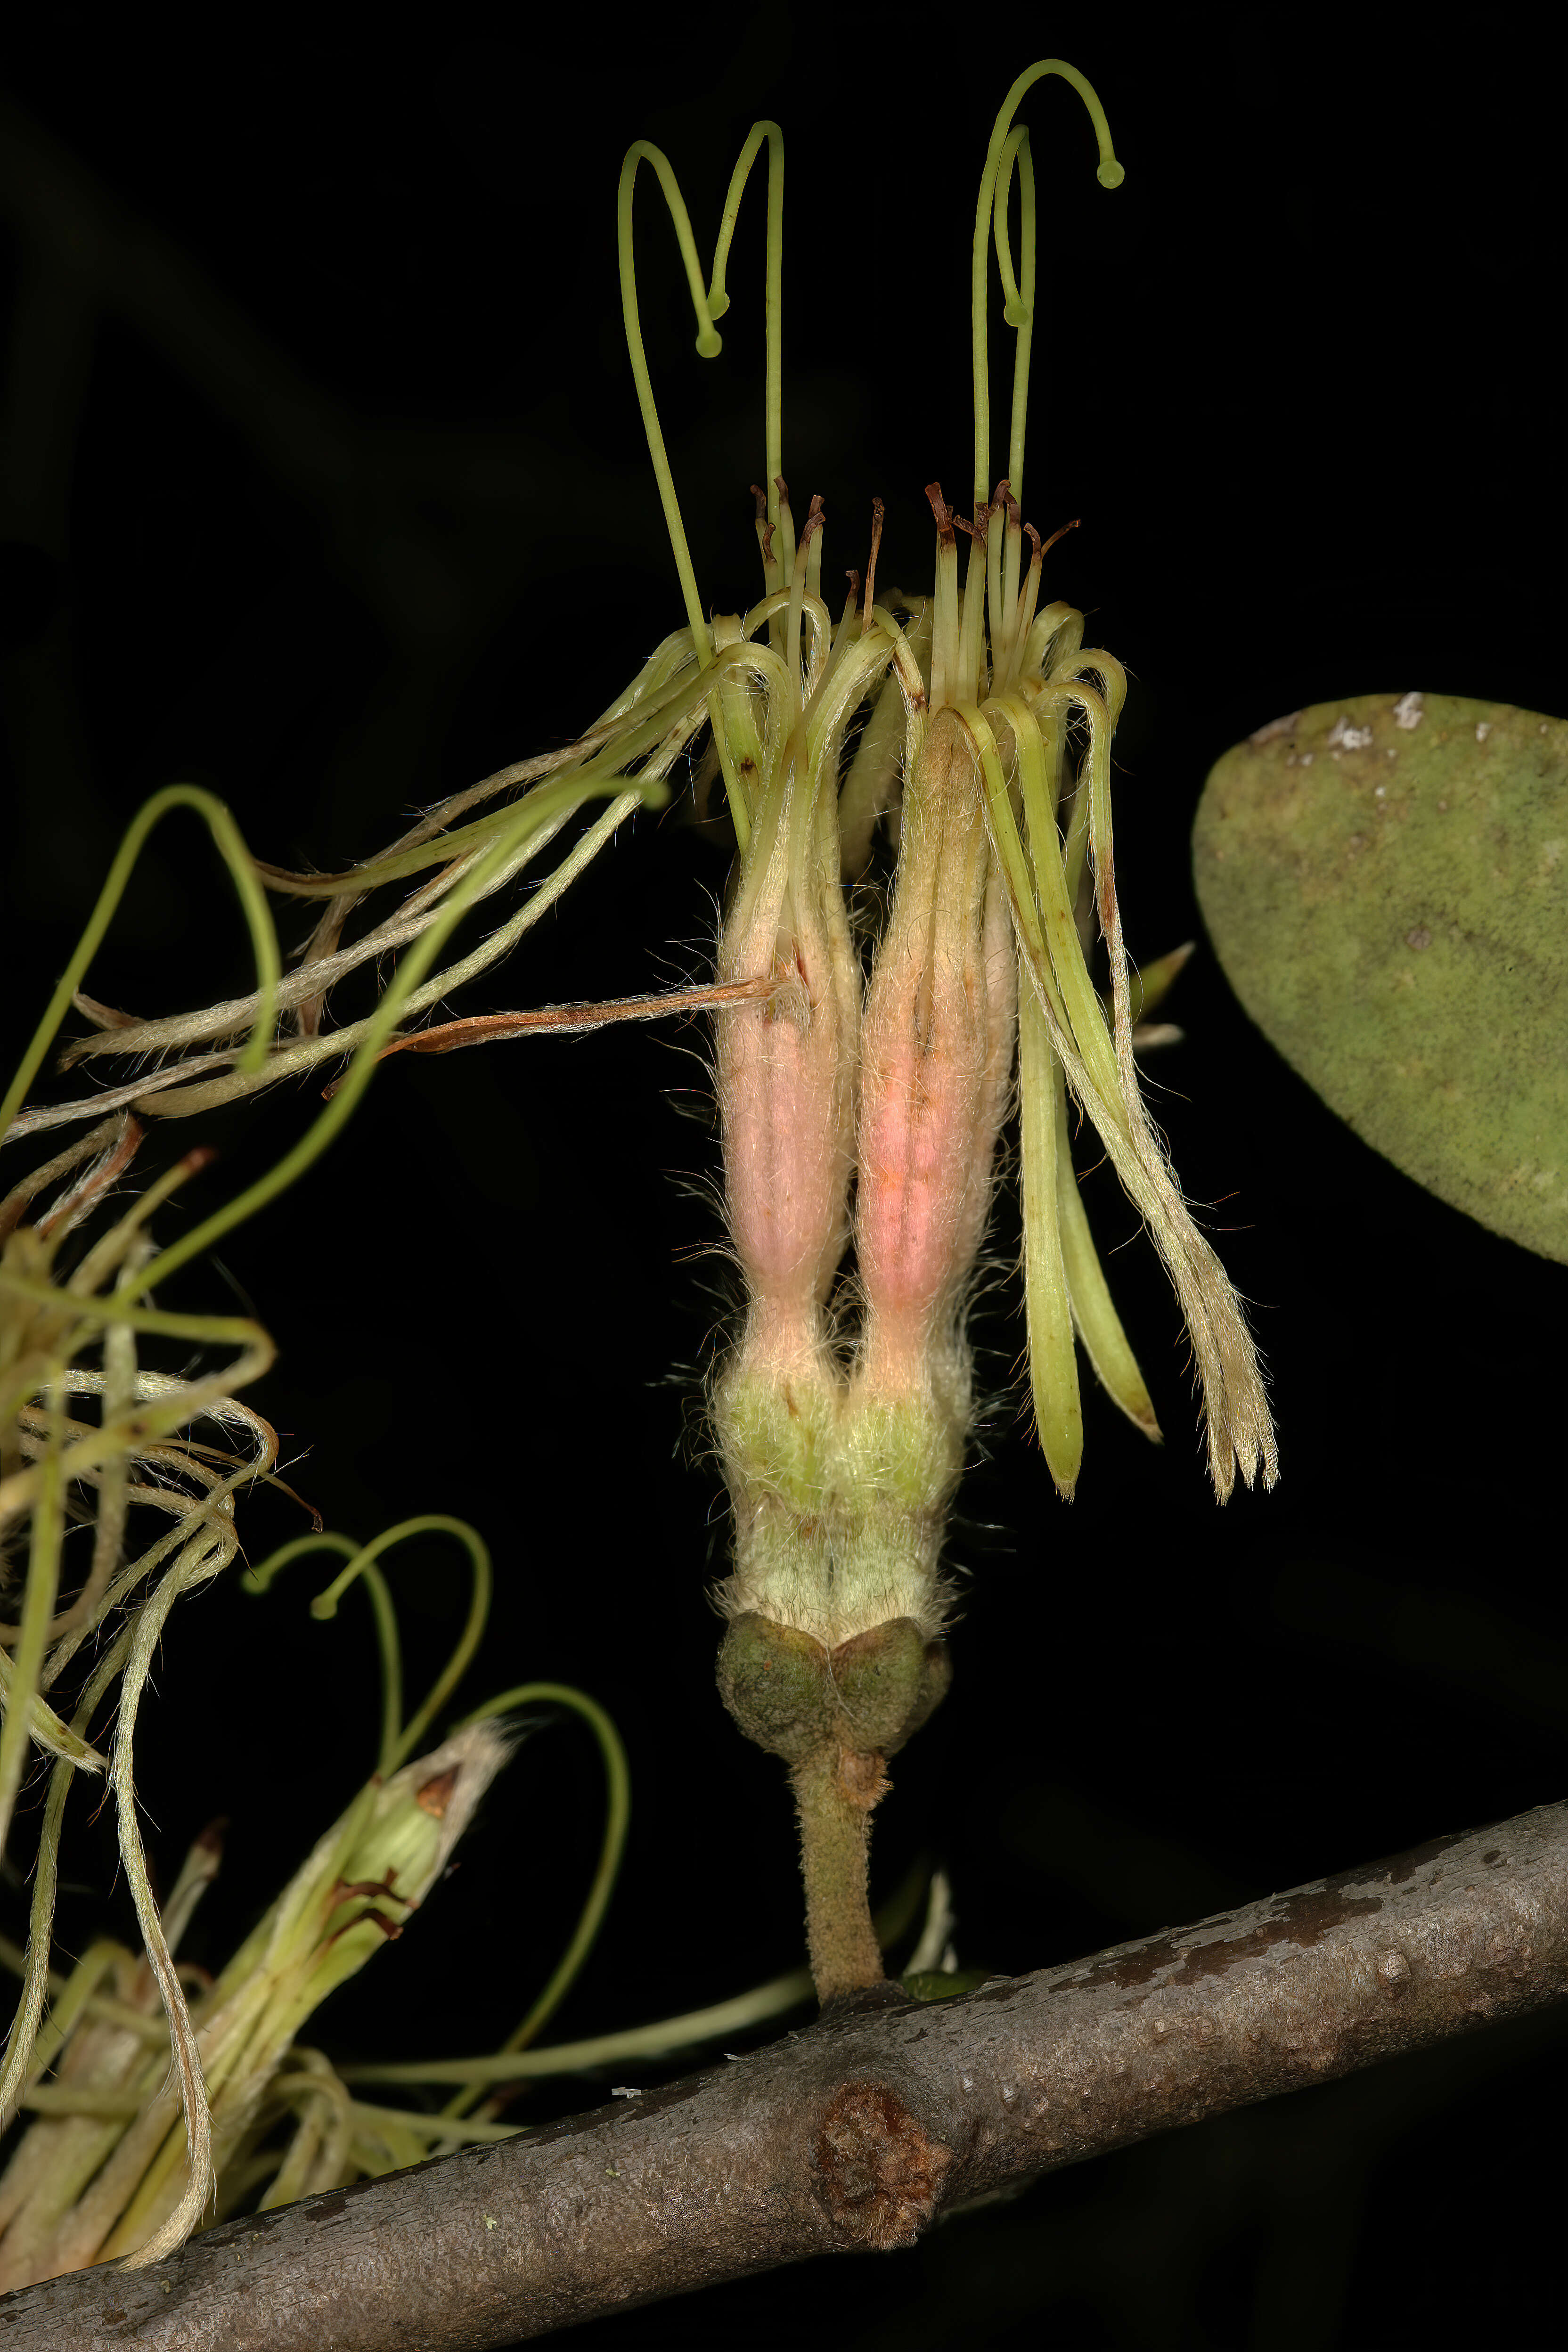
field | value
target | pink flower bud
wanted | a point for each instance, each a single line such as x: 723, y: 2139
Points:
x: 786, y: 1068
x: 786, y: 1086
x: 936, y: 1058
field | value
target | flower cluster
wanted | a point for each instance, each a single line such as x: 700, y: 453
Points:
x: 860, y: 1109
x: 865, y: 1112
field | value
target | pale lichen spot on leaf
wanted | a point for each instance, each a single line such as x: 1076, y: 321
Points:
x: 1449, y: 1063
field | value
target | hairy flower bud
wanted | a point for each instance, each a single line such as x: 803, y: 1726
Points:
x: 936, y: 1058
x: 786, y: 1097
x: 787, y: 1076
x: 841, y: 1487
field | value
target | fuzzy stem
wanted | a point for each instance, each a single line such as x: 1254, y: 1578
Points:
x: 834, y: 1791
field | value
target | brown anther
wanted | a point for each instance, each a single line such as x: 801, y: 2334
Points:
x: 877, y: 512
x: 1060, y: 534
x: 813, y: 522
x: 436, y: 1795
x: 1035, y: 543
x: 764, y: 528
x: 944, y: 513
x: 854, y: 597
x: 1004, y: 498
x: 782, y: 489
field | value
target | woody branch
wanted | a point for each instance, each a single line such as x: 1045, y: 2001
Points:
x: 856, y: 2133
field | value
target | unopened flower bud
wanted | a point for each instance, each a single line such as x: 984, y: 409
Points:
x: 786, y: 1084
x: 787, y: 1076
x: 936, y: 1058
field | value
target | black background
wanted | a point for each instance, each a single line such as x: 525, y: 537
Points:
x: 327, y: 490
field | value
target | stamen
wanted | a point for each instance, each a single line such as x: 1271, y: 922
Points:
x: 1012, y: 567
x: 846, y: 633
x: 1060, y: 534
x: 786, y: 531
x: 810, y: 539
x: 995, y: 528
x: 874, y: 785
x: 877, y: 512
x: 1027, y: 603
x: 735, y: 741
x: 843, y: 684
x: 797, y: 594
x: 772, y: 581
x: 944, y: 620
x: 972, y: 627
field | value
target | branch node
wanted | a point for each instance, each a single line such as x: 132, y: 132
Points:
x: 881, y: 2176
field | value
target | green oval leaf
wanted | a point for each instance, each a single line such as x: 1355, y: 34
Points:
x: 1385, y: 882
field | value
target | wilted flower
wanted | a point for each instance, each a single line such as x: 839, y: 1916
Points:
x: 103, y: 2170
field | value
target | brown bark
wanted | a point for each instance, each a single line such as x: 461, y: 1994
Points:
x: 857, y: 2131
